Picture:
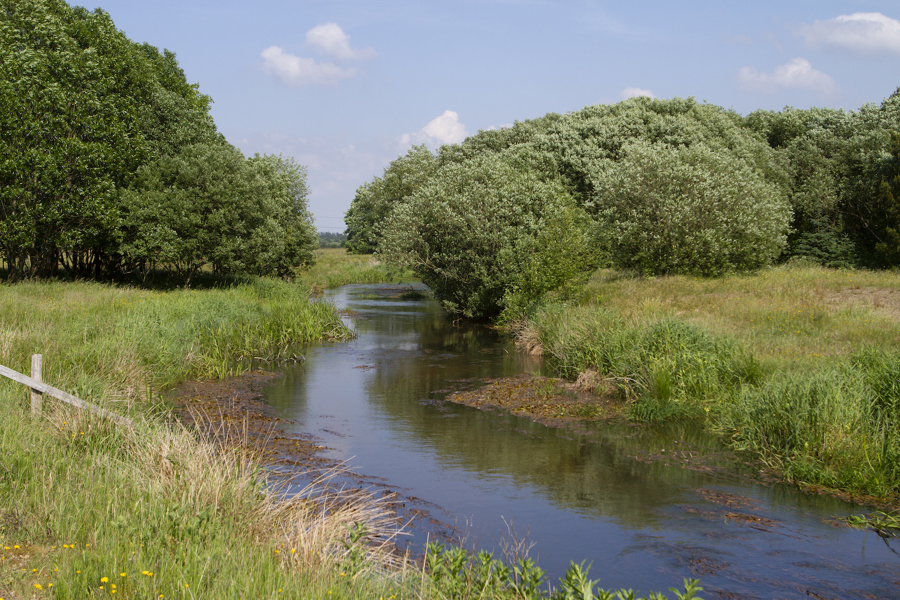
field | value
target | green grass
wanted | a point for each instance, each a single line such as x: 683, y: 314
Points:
x: 335, y: 267
x: 82, y: 500
x: 797, y: 365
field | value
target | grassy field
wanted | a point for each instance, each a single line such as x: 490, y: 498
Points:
x: 798, y: 365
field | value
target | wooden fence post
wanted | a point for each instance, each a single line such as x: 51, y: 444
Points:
x: 36, y: 396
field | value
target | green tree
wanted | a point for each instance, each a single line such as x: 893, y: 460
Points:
x: 887, y: 204
x: 473, y: 234
x: 79, y: 108
x: 585, y: 142
x: 688, y: 210
x: 184, y: 211
x: 866, y: 159
x: 284, y: 237
x: 209, y: 206
x: 375, y: 200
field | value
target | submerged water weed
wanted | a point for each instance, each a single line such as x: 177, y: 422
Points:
x: 884, y: 524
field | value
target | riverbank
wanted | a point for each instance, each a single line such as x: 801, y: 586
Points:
x: 88, y: 509
x: 795, y: 365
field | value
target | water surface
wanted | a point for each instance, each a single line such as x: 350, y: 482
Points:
x: 607, y: 495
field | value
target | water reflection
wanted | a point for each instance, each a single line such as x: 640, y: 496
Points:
x: 594, y: 495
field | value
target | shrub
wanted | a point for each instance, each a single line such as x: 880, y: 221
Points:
x: 689, y: 210
x: 473, y: 234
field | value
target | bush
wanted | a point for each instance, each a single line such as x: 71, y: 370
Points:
x: 473, y: 234
x: 689, y: 210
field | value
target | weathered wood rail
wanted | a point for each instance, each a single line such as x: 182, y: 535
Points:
x: 39, y: 388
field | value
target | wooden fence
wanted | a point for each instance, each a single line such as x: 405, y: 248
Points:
x: 39, y: 388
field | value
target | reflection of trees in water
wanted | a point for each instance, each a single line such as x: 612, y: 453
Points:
x: 286, y: 394
x: 572, y: 470
x: 428, y: 329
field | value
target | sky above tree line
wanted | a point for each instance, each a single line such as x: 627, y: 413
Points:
x: 346, y: 86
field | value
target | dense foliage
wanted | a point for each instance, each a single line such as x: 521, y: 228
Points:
x: 836, y: 161
x: 110, y: 162
x: 476, y: 232
x: 688, y: 209
x: 671, y: 186
x: 375, y: 200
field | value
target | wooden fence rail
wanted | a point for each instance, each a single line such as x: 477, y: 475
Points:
x: 38, y: 388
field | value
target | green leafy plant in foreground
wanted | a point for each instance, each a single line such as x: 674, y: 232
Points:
x: 884, y: 524
x: 454, y: 573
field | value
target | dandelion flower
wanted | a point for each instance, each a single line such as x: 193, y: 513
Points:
x: 104, y: 579
x: 38, y: 586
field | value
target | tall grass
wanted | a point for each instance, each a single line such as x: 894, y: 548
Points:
x: 115, y: 343
x: 87, y: 508
x: 799, y: 366
x: 666, y: 369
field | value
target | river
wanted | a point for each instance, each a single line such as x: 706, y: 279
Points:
x: 609, y: 495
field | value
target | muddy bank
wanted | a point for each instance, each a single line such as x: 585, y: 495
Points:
x: 548, y: 401
x: 235, y: 412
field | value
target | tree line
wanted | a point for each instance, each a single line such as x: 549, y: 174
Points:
x: 650, y: 186
x: 111, y: 164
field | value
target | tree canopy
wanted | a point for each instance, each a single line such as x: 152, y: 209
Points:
x: 670, y: 186
x: 110, y: 161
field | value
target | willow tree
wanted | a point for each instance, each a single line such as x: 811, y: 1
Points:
x: 375, y: 200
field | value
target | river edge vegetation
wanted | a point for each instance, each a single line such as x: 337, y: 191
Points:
x: 90, y: 509
x: 796, y: 365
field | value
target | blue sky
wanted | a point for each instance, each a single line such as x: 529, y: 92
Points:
x: 346, y: 86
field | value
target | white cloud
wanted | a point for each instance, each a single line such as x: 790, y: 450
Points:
x: 861, y: 32
x: 331, y: 39
x: 633, y: 92
x: 337, y: 166
x: 798, y: 74
x: 445, y: 129
x: 296, y: 70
